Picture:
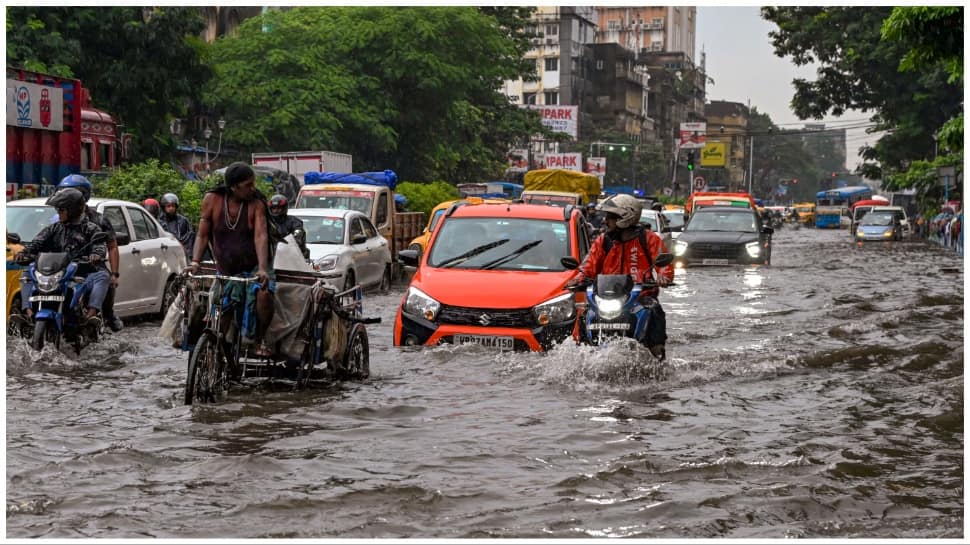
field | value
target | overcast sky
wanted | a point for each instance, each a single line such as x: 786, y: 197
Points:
x: 743, y: 65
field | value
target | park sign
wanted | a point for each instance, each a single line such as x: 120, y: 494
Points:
x: 714, y: 154
x: 559, y: 118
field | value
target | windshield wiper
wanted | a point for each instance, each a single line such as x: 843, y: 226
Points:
x: 451, y: 262
x: 509, y: 257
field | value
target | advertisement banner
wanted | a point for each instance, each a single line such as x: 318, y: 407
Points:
x: 714, y: 154
x: 692, y: 135
x: 559, y: 118
x: 519, y: 159
x: 568, y: 161
x: 596, y: 165
x: 35, y: 106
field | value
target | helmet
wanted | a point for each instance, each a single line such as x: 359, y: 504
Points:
x: 278, y: 205
x: 69, y: 199
x: 169, y: 198
x: 152, y: 206
x: 658, y: 206
x: 627, y: 207
x: 77, y: 182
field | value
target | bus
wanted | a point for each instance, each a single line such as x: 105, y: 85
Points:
x: 832, y: 204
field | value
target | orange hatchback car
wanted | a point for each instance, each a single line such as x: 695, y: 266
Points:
x: 493, y: 275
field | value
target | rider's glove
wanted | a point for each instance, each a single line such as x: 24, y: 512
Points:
x: 663, y: 281
x: 94, y: 258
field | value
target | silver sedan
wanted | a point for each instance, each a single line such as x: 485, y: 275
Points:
x: 345, y: 248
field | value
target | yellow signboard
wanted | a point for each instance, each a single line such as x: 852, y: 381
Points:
x: 714, y: 154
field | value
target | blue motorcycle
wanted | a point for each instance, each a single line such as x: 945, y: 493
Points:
x: 58, y: 301
x: 614, y: 307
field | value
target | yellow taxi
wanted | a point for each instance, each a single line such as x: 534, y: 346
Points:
x: 806, y: 213
x: 421, y: 241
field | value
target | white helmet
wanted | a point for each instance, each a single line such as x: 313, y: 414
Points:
x: 627, y: 207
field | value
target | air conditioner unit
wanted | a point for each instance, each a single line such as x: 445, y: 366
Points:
x: 550, y: 41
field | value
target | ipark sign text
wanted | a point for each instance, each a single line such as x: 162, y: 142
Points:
x: 560, y: 118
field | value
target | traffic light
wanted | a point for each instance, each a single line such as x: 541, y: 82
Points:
x: 834, y: 174
x: 690, y: 160
x: 794, y: 180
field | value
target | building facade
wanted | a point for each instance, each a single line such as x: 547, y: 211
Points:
x: 727, y: 122
x: 649, y: 28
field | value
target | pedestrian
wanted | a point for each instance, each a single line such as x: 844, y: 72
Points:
x: 627, y: 248
x: 233, y: 220
x: 176, y: 223
x: 82, y: 184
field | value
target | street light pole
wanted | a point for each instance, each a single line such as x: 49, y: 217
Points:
x: 751, y: 166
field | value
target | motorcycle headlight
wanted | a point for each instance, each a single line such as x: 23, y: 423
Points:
x: 558, y: 309
x: 609, y: 308
x: 680, y: 247
x: 418, y: 303
x: 48, y: 282
x: 753, y: 248
x: 325, y: 263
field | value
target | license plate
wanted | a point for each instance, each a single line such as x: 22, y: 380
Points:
x: 502, y: 343
x: 608, y: 326
x: 714, y: 261
x: 36, y: 298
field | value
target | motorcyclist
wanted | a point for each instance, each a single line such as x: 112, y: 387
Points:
x: 286, y: 224
x: 71, y: 234
x: 595, y: 219
x: 620, y: 251
x: 176, y: 223
x: 82, y: 184
x: 152, y: 206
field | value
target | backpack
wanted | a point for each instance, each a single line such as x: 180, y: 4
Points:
x: 608, y: 245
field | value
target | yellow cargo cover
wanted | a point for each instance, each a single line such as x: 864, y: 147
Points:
x: 554, y: 179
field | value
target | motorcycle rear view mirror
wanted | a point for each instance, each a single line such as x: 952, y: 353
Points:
x: 13, y: 238
x: 569, y: 262
x: 664, y: 259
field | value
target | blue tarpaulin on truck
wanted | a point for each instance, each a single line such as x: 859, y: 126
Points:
x: 386, y: 178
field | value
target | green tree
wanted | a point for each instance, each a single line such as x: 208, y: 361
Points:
x: 139, y: 181
x: 423, y: 197
x: 411, y: 89
x: 144, y: 66
x: 860, y: 70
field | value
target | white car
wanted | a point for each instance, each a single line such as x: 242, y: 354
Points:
x: 345, y: 248
x: 657, y: 223
x: 150, y: 257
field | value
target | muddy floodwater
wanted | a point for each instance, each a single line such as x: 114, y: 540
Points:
x: 819, y: 397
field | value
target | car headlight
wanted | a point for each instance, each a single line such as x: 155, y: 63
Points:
x: 680, y: 247
x: 325, y: 263
x: 48, y: 282
x: 558, y: 309
x: 860, y: 233
x: 418, y: 303
x: 888, y: 233
x: 609, y: 308
x: 753, y: 248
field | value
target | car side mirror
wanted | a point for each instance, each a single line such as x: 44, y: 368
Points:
x: 13, y: 238
x: 408, y: 257
x: 663, y: 260
x: 122, y: 240
x: 570, y: 262
x: 359, y: 239
x: 767, y: 230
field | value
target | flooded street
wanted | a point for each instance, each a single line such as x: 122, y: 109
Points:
x: 819, y: 397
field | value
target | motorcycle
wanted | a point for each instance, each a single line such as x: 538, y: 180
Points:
x: 614, y: 308
x: 58, y: 301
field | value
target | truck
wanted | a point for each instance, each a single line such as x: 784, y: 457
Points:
x: 298, y: 163
x: 53, y: 131
x: 369, y: 192
x: 560, y: 187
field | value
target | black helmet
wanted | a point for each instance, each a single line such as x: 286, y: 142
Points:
x: 169, y: 198
x: 278, y: 205
x: 69, y: 199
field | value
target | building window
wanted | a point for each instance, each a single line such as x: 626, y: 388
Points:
x: 528, y: 98
x: 552, y: 64
x: 552, y: 30
x: 599, y: 64
x: 552, y: 97
x: 613, y: 24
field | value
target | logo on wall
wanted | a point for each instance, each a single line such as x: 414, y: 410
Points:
x: 23, y: 107
x: 45, y: 107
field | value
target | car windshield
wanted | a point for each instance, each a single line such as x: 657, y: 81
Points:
x: 530, y: 244
x: 711, y: 220
x: 649, y: 219
x: 27, y: 221
x: 674, y: 219
x: 435, y: 218
x: 323, y: 229
x: 338, y: 200
x: 879, y: 219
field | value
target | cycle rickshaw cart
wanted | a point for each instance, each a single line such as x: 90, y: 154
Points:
x: 317, y: 333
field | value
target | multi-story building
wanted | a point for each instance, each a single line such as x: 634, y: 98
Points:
x: 618, y: 97
x: 649, y: 28
x: 727, y: 122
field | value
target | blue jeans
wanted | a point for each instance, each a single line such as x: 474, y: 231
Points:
x: 97, y: 282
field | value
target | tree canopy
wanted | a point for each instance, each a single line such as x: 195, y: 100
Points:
x: 411, y: 89
x: 142, y: 65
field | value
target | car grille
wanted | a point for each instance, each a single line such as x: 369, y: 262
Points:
x: 486, y: 317
x: 709, y: 250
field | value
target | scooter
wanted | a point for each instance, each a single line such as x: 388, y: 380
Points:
x: 58, y: 301
x: 614, y: 307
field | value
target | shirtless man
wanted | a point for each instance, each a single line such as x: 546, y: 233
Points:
x: 233, y: 219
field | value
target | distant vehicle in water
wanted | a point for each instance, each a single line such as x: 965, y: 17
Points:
x: 723, y: 235
x: 832, y: 204
x: 879, y: 225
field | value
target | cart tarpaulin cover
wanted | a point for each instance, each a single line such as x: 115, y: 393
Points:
x: 551, y: 179
x: 293, y: 304
x: 387, y: 178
